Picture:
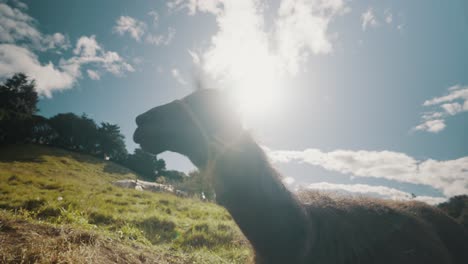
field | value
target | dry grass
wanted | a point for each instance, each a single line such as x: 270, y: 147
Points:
x: 29, y: 242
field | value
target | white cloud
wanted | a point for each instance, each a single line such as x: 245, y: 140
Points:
x: 15, y: 25
x: 368, y: 19
x: 130, y: 25
x: 450, y: 176
x: 56, y: 41
x: 455, y: 102
x: 457, y: 92
x: 49, y: 77
x: 452, y: 108
x: 93, y: 75
x: 245, y: 54
x: 161, y: 39
x: 86, y: 47
x: 433, y: 126
x: 176, y: 74
x: 88, y: 51
x: 21, y: 40
x: 378, y: 191
x: 302, y: 29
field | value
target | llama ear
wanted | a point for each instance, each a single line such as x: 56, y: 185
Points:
x: 198, y: 83
x: 198, y: 75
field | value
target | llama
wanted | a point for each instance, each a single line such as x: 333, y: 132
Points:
x: 282, y: 227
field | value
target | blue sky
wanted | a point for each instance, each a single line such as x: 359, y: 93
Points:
x: 359, y: 96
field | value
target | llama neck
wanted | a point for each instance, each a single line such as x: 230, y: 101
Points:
x: 267, y: 213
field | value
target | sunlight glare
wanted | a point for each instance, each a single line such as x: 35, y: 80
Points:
x: 258, y: 93
x: 243, y: 61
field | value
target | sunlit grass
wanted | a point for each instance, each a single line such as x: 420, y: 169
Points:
x: 47, y: 185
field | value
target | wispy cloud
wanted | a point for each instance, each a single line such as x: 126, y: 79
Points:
x: 17, y: 26
x: 178, y: 77
x: 21, y: 41
x: 19, y: 4
x: 93, y: 75
x: 138, y: 30
x: 161, y: 39
x: 371, y: 190
x: 453, y: 103
x: 368, y: 19
x: 194, y: 6
x: 449, y: 176
x: 129, y: 25
x: 372, y: 18
x: 154, y: 17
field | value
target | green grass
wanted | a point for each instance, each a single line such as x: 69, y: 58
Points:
x: 49, y: 186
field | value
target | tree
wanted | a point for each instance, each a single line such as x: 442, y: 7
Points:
x: 18, y: 99
x: 74, y: 132
x: 111, y: 142
x: 41, y: 131
x: 145, y: 164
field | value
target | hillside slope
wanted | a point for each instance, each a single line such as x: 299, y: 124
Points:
x: 58, y: 206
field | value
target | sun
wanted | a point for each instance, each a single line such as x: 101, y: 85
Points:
x: 246, y: 63
x: 257, y: 101
x: 258, y: 92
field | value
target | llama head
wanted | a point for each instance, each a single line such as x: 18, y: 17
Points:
x: 192, y: 126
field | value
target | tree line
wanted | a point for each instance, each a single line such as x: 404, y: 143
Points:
x: 20, y: 123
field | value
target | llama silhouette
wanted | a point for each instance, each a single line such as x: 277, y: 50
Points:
x: 282, y: 227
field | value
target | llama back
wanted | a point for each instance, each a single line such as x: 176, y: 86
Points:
x: 367, y: 230
x: 452, y: 234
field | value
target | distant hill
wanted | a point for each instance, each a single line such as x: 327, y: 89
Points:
x: 59, y: 206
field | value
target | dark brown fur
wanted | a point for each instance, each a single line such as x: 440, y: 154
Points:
x: 321, y: 228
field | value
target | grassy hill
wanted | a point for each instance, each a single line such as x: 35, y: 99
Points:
x: 58, y: 206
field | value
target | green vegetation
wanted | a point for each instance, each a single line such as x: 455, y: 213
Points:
x: 65, y: 202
